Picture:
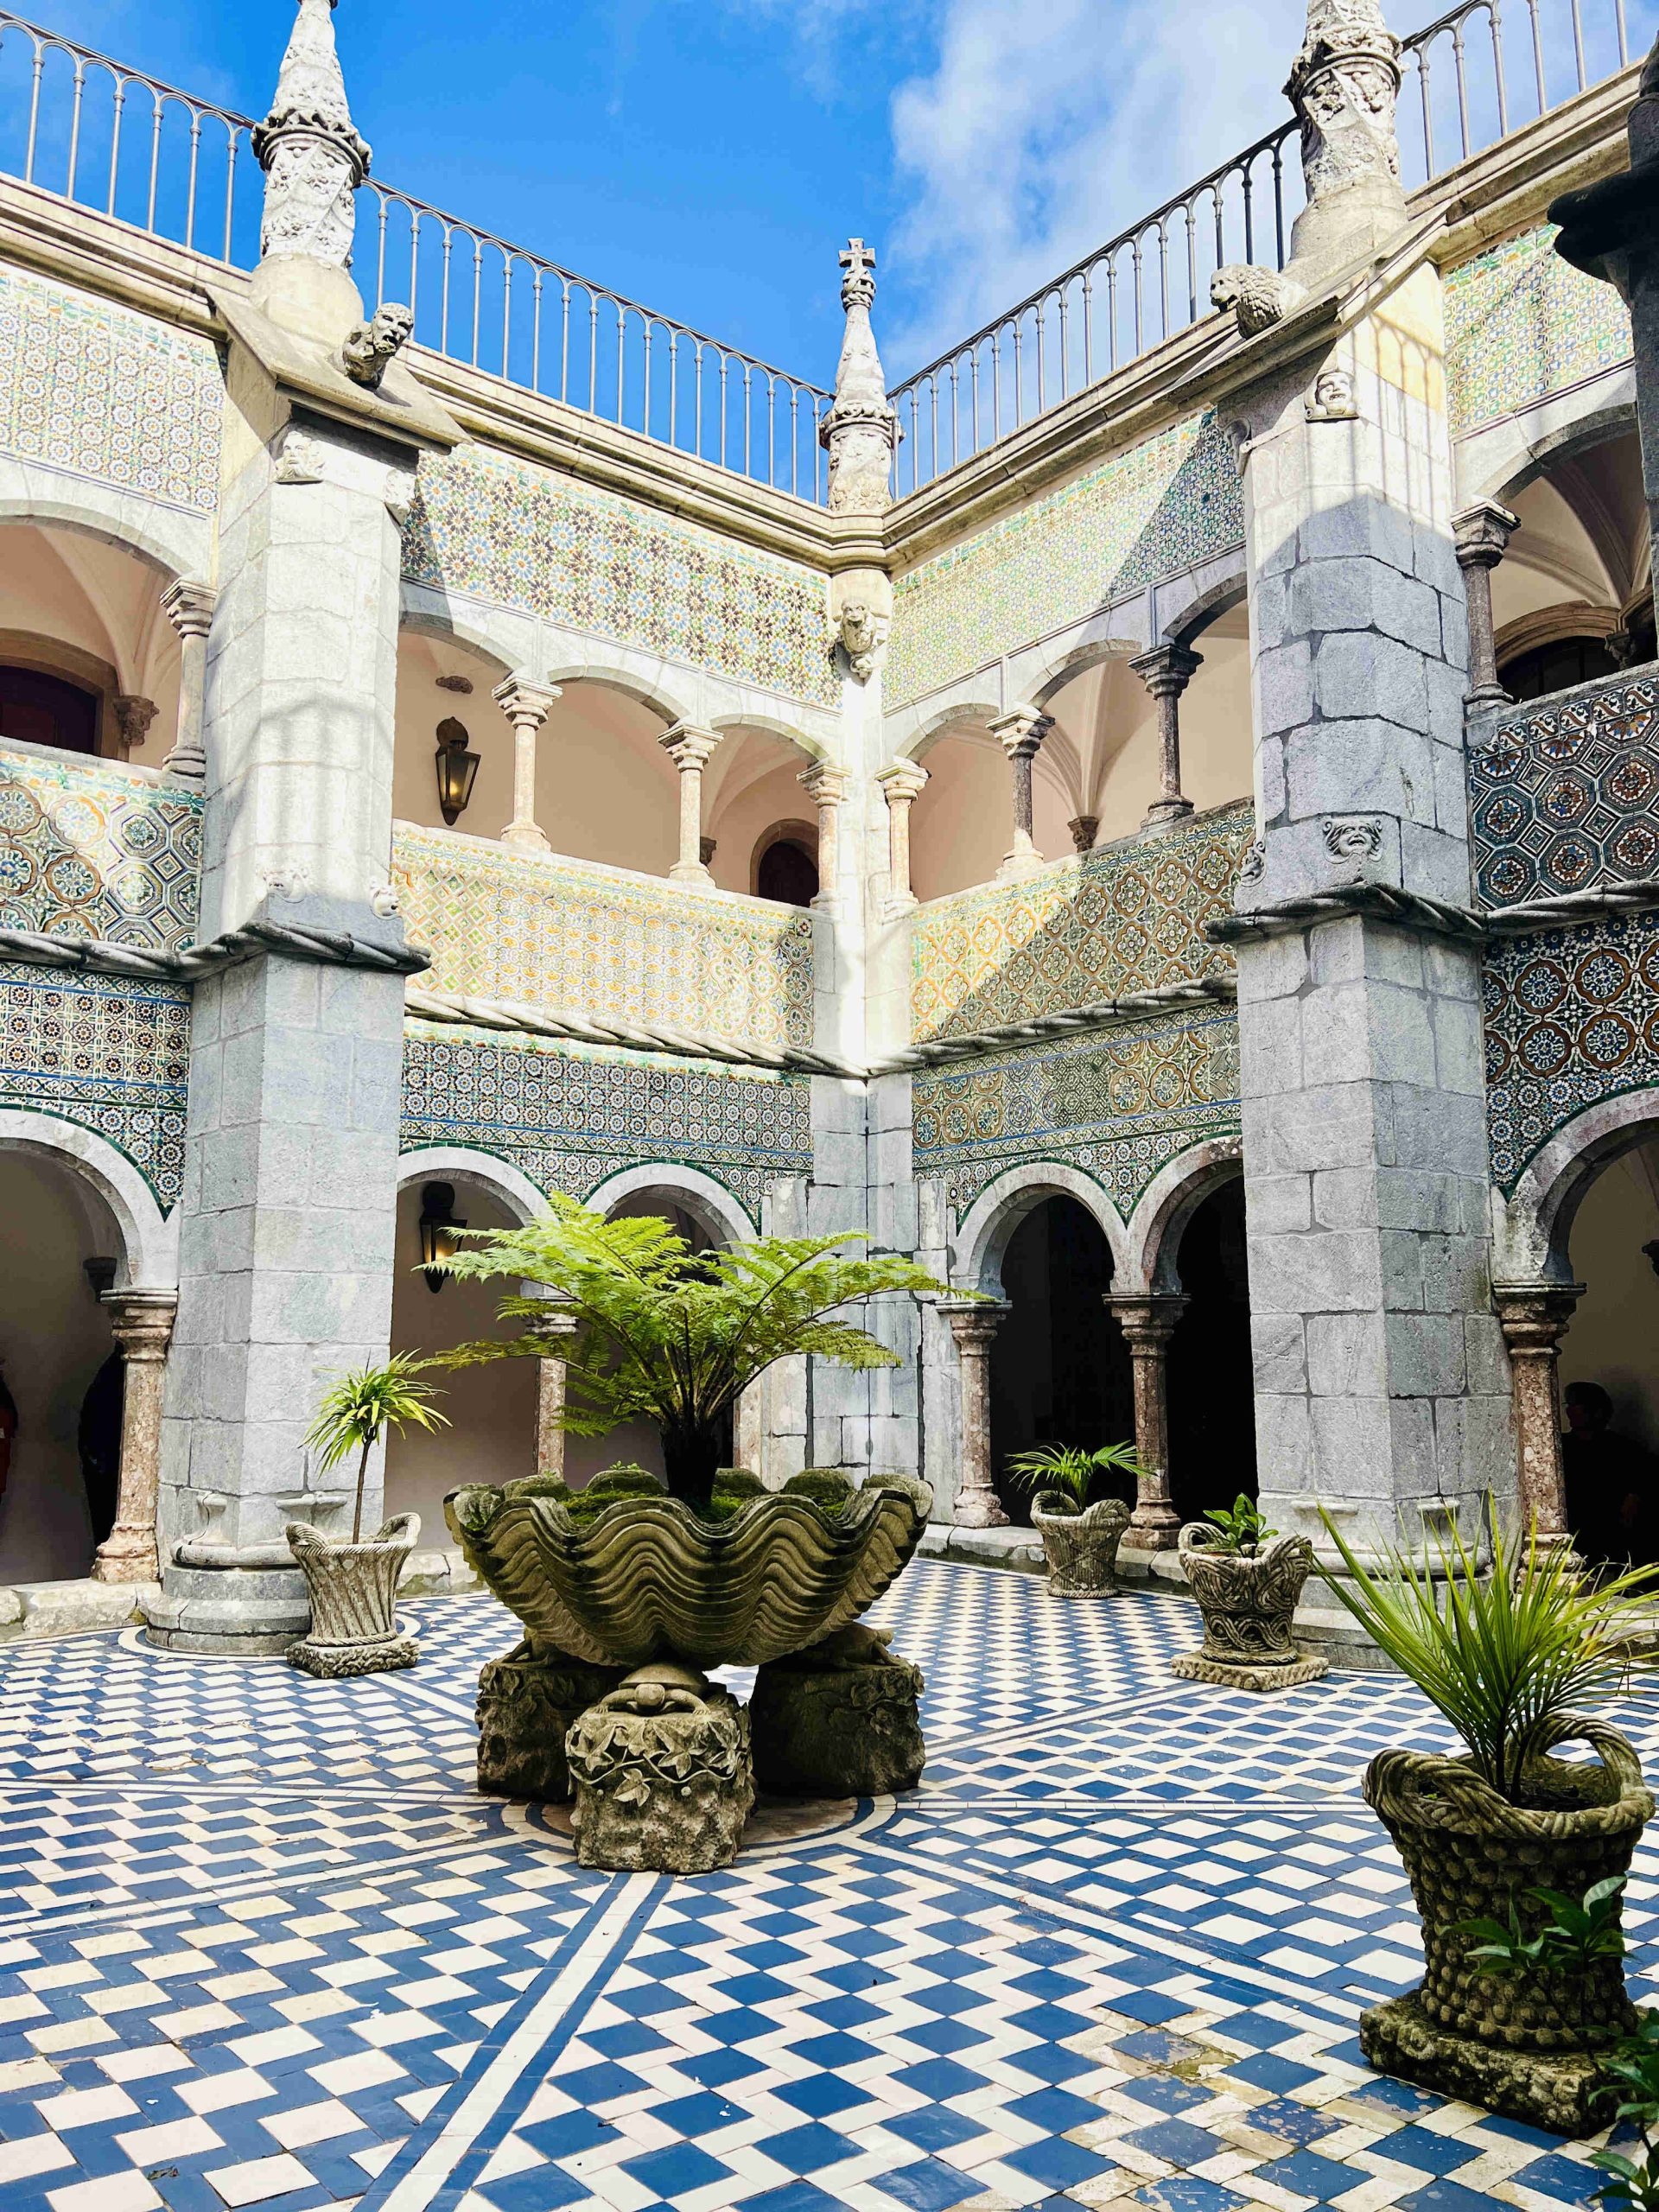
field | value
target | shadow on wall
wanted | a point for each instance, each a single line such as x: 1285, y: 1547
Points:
x: 1210, y: 1384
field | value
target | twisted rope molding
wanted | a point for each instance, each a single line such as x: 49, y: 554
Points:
x: 1467, y: 926
x: 1104, y: 1013
x: 100, y: 956
x: 513, y: 1015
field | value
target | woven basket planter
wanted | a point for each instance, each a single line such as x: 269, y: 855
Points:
x: 353, y: 1589
x: 1081, y: 1545
x: 1526, y: 2045
x: 1248, y: 1600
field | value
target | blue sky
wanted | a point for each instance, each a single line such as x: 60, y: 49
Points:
x: 710, y: 156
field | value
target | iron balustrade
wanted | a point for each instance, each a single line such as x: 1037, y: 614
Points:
x: 90, y: 129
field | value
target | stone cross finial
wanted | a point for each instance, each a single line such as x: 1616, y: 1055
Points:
x: 312, y: 153
x: 861, y: 431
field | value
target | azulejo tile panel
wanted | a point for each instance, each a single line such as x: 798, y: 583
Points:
x: 101, y: 391
x: 569, y: 1117
x: 1522, y: 323
x: 1565, y: 796
x: 1129, y: 917
x: 1150, y: 511
x: 507, y: 531
x: 1572, y: 1017
x: 108, y: 1052
x: 1119, y: 1104
x: 86, y: 850
x: 556, y: 935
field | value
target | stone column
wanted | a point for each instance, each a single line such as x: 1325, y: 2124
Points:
x: 549, y: 1397
x: 1533, y: 1317
x: 133, y: 717
x: 901, y: 786
x: 1148, y: 1322
x: 525, y: 706
x: 973, y: 1327
x: 827, y: 788
x: 1020, y: 735
x: 188, y: 606
x: 1481, y: 535
x: 1084, y: 828
x: 142, y: 1324
x: 689, y: 749
x: 1166, y: 671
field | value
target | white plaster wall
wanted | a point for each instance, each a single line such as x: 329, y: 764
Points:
x: 1614, y: 1337
x: 53, y: 1339
x: 756, y: 786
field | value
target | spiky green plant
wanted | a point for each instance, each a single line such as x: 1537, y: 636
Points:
x: 361, y: 1406
x: 1507, y: 1655
x: 1069, y: 1469
x: 671, y: 1336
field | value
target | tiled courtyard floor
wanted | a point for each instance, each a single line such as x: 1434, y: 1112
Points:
x: 261, y: 1945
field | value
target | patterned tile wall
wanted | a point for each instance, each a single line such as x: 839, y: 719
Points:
x: 569, y: 1115
x: 1571, y: 1018
x: 96, y: 389
x: 507, y: 925
x: 1128, y: 919
x: 1565, y: 796
x: 108, y: 1052
x: 1521, y: 323
x: 1148, y: 512
x: 87, y: 849
x: 506, y: 532
x: 1119, y: 1105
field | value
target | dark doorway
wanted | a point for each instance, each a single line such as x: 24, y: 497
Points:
x: 1059, y: 1366
x: 787, y: 873
x: 1212, y: 1388
x: 47, y: 710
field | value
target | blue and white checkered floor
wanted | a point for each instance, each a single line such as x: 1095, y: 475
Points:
x: 261, y: 1945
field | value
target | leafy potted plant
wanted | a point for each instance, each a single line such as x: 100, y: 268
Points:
x: 1080, y: 1540
x: 706, y: 1568
x: 1248, y: 1581
x: 1523, y: 1997
x: 353, y: 1588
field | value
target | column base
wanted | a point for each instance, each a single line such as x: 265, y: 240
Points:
x: 1153, y: 1529
x: 125, y: 1556
x: 692, y: 872
x: 237, y: 1611
x: 979, y: 1509
x: 1016, y: 866
x: 526, y: 837
x: 1167, y: 814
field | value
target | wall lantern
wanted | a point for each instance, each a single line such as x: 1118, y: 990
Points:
x: 439, y: 1242
x: 457, y: 766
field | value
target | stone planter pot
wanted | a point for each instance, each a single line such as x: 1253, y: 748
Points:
x: 1247, y: 1599
x: 1529, y: 2046
x: 1081, y: 1544
x: 353, y: 1589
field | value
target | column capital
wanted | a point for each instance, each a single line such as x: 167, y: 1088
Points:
x: 901, y: 782
x: 1147, y: 1318
x: 1481, y: 534
x: 141, y: 1320
x: 188, y: 605
x: 824, y: 784
x: 1166, y: 670
x: 686, y: 747
x: 526, y: 703
x: 1084, y: 828
x: 1534, y: 1316
x: 1020, y: 731
x: 974, y: 1322
x: 133, y: 717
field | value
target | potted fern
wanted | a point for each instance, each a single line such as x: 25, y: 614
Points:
x: 1523, y: 1997
x: 1080, y: 1540
x: 353, y: 1588
x: 1248, y: 1580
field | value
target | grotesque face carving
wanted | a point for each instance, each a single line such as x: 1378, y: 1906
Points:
x: 364, y: 354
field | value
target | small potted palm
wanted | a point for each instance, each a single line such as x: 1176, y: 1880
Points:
x: 1080, y: 1540
x: 1248, y: 1580
x: 353, y: 1587
x: 1523, y: 1999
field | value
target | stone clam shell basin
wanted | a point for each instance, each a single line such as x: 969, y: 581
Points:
x: 646, y: 1578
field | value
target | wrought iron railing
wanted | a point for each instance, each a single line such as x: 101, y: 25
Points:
x: 94, y: 131
x: 1473, y: 76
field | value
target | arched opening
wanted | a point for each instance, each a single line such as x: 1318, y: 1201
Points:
x: 1211, y: 1386
x: 36, y: 708
x: 1572, y: 597
x: 86, y: 652
x: 491, y: 1410
x: 61, y: 1369
x: 787, y: 864
x: 961, y: 825
x: 1608, y: 1367
x: 1060, y: 1368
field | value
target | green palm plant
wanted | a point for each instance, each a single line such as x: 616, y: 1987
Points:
x: 1507, y: 1655
x: 1069, y: 1469
x: 361, y: 1406
x: 671, y: 1336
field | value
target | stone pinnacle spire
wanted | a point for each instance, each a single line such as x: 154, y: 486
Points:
x: 1342, y: 85
x: 312, y: 154
x: 861, y: 430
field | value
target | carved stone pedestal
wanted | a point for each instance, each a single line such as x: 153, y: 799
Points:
x: 528, y: 1702
x: 662, y: 1773
x: 840, y: 1720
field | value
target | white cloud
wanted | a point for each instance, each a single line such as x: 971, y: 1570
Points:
x: 1048, y: 125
